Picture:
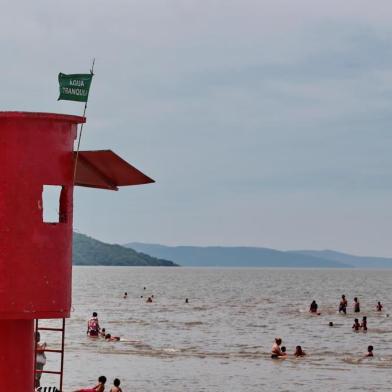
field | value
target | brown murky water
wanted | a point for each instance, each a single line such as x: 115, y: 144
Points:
x: 220, y: 340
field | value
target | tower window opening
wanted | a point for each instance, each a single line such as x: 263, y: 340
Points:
x: 52, y: 210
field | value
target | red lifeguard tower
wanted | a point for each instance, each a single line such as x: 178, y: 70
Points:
x: 37, y: 150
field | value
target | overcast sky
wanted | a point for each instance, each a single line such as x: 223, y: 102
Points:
x: 264, y: 123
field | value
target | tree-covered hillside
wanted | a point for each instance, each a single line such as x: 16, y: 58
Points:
x: 88, y: 251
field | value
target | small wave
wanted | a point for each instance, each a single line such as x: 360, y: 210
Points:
x: 200, y: 308
x: 257, y: 326
x: 379, y: 330
x: 193, y: 323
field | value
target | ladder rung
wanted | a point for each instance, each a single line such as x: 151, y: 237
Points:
x: 51, y: 350
x: 60, y: 372
x: 47, y: 371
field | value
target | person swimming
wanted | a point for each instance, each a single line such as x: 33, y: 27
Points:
x: 313, y: 307
x: 276, y: 352
x: 356, y: 304
x: 110, y: 338
x: 149, y: 300
x: 299, y: 352
x: 379, y: 306
x: 125, y: 295
x: 330, y: 324
x: 102, y: 333
x: 356, y: 326
x: 364, y: 323
x: 100, y: 387
x: 369, y: 352
x: 343, y: 305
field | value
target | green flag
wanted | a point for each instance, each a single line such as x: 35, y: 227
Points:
x: 75, y: 87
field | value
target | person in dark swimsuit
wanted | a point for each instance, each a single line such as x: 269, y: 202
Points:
x: 356, y: 325
x: 313, y: 307
x: 379, y: 306
x: 364, y: 324
x: 357, y: 308
x: 343, y: 305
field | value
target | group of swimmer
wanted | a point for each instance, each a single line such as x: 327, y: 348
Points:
x: 343, y: 306
x: 100, y: 387
x: 278, y: 352
x: 94, y: 330
x: 150, y: 298
x: 357, y: 326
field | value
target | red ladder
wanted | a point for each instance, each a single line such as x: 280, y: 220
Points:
x: 61, y: 351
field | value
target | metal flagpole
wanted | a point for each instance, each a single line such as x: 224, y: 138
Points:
x: 81, y: 129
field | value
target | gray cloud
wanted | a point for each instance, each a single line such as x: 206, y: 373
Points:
x: 264, y: 123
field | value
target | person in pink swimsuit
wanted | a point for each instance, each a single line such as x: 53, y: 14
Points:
x: 100, y: 387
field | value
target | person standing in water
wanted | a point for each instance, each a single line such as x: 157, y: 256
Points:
x: 276, y: 352
x: 357, y: 308
x: 343, y: 305
x: 356, y: 325
x: 93, y: 325
x: 379, y: 306
x: 364, y: 324
x: 313, y: 307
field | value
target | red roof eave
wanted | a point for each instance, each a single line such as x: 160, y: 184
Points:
x: 106, y: 170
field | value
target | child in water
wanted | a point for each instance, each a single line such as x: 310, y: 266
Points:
x: 284, y: 354
x: 369, y: 352
x: 379, y: 306
x: 299, y: 352
x: 356, y: 325
x: 116, y: 386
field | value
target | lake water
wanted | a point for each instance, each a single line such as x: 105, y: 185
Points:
x: 221, y: 339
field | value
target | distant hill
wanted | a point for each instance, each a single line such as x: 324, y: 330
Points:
x: 235, y: 256
x: 355, y: 261
x: 88, y: 251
